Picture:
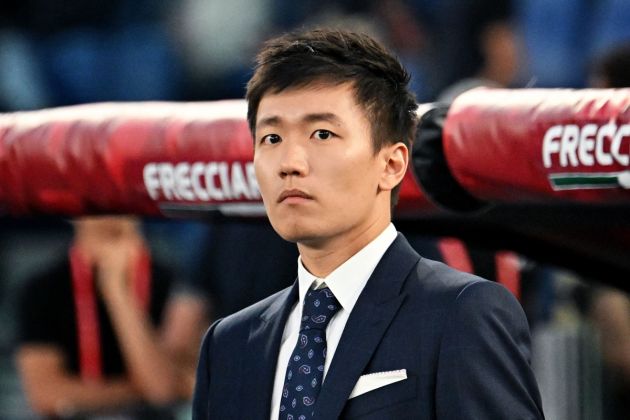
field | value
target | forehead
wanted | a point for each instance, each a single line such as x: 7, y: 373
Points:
x: 295, y: 104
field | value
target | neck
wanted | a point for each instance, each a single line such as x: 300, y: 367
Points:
x: 321, y: 258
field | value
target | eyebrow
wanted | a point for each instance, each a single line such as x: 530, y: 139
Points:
x: 324, y: 116
x: 275, y: 121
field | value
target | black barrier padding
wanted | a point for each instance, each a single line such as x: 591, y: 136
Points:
x: 431, y: 169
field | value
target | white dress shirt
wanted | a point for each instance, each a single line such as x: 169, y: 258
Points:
x: 346, y: 282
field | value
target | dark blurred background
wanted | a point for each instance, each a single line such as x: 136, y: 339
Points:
x: 55, y: 53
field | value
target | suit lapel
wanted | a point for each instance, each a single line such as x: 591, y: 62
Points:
x: 375, y: 309
x: 263, y: 347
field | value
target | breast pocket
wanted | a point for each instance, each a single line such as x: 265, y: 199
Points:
x: 382, y: 398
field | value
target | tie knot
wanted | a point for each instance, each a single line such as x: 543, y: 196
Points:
x: 320, y: 306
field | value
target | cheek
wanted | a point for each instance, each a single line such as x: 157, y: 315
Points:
x: 352, y: 179
x: 261, y: 169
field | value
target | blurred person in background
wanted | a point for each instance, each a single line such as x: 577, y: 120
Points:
x: 91, y: 330
x: 488, y: 50
x: 606, y: 307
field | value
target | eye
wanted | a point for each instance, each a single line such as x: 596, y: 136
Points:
x: 270, y: 139
x: 323, y: 134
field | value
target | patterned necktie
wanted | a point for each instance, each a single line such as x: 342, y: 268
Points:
x: 305, y: 370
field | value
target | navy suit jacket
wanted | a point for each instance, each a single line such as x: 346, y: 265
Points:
x: 464, y: 342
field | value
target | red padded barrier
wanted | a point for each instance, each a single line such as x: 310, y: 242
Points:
x: 126, y: 157
x: 541, y: 145
x: 153, y: 158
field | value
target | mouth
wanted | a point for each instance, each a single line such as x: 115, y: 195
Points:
x: 289, y: 194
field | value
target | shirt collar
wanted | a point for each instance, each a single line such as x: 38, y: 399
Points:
x: 348, y: 280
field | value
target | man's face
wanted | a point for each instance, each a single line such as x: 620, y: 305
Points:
x: 316, y: 167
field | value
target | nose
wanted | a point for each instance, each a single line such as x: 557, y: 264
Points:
x: 294, y: 161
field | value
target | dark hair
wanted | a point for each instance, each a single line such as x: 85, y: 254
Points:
x: 334, y: 56
x: 614, y: 66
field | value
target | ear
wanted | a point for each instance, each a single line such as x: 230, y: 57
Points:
x: 395, y: 158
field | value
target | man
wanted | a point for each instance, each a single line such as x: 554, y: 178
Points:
x: 92, y: 328
x: 390, y: 334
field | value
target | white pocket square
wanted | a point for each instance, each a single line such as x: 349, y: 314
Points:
x: 376, y: 380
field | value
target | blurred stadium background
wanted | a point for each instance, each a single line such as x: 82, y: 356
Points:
x: 56, y: 53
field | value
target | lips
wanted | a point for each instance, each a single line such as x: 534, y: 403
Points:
x: 292, y: 193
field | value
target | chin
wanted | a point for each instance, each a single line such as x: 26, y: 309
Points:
x: 291, y: 235
x: 293, y: 232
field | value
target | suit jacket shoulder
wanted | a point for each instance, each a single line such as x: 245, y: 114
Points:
x: 239, y: 322
x: 463, y: 341
x: 483, y: 359
x: 238, y: 356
